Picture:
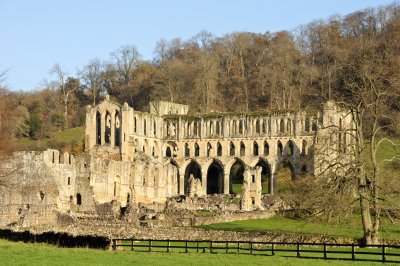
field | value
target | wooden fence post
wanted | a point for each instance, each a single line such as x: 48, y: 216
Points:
x: 298, y: 250
x: 251, y: 247
x: 383, y: 253
x: 114, y: 244
x: 226, y: 247
x: 149, y: 245
x: 325, y: 251
x: 168, y: 244
x: 132, y: 245
x: 186, y: 246
x: 353, y: 254
x: 211, y: 247
x: 273, y: 249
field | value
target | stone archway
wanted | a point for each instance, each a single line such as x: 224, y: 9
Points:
x: 215, y: 178
x: 193, y: 168
x: 265, y: 176
x: 283, y: 175
x: 236, y: 177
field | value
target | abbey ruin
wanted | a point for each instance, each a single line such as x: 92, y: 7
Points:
x: 168, y: 156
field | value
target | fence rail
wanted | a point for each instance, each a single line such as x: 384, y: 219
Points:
x: 381, y: 253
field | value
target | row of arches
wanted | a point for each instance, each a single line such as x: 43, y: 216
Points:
x: 256, y: 150
x: 216, y: 175
x: 240, y: 126
x: 108, y: 128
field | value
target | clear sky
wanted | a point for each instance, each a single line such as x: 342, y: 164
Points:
x: 36, y: 34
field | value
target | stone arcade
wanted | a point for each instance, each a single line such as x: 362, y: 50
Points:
x: 134, y: 158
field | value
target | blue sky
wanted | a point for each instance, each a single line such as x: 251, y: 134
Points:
x: 36, y: 34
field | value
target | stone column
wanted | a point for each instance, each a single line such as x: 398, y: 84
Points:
x: 204, y: 181
x: 273, y: 179
x: 112, y: 129
x: 226, y: 182
x: 181, y: 182
x: 103, y: 128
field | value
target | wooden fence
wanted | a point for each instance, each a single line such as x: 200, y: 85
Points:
x: 381, y: 253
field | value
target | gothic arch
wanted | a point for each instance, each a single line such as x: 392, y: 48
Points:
x: 98, y: 128
x: 192, y: 168
x: 279, y: 148
x: 231, y: 149
x: 196, y: 150
x: 107, y: 131
x: 265, y: 175
x: 255, y: 148
x: 215, y: 178
x: 236, y: 170
x: 219, y: 149
x: 242, y: 149
x: 266, y: 148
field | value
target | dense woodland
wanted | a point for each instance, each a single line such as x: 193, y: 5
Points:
x: 240, y: 71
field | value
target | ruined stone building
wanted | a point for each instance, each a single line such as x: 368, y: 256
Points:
x: 137, y: 158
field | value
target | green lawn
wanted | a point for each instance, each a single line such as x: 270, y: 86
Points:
x: 350, y: 229
x: 17, y: 253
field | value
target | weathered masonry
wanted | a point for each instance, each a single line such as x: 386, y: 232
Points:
x: 134, y: 158
x: 172, y: 153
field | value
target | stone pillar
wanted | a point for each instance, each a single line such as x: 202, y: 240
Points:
x: 204, y: 181
x: 273, y: 179
x: 103, y: 128
x: 181, y: 182
x: 226, y: 182
x: 112, y: 129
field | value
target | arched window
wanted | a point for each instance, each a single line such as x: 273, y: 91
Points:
x: 240, y: 127
x: 98, y: 128
x: 187, y: 150
x: 212, y: 128
x: 279, y: 148
x: 289, y: 126
x: 304, y: 147
x: 154, y: 128
x: 314, y: 125
x: 232, y: 149
x: 219, y: 149
x: 242, y: 149
x: 217, y: 128
x: 78, y: 199
x: 168, y: 152
x: 258, y: 131
x: 196, y: 150
x: 209, y: 147
x: 144, y: 127
x: 107, y: 132
x: 266, y: 148
x: 117, y: 130
x: 264, y: 126
x: 307, y: 124
x: 255, y: 148
x: 290, y: 150
x: 282, y: 126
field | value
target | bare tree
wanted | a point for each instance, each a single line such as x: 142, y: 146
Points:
x: 92, y: 77
x: 65, y: 90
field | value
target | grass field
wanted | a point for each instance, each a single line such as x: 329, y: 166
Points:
x: 17, y: 253
x: 350, y: 229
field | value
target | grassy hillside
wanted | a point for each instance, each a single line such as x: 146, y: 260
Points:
x: 71, y: 140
